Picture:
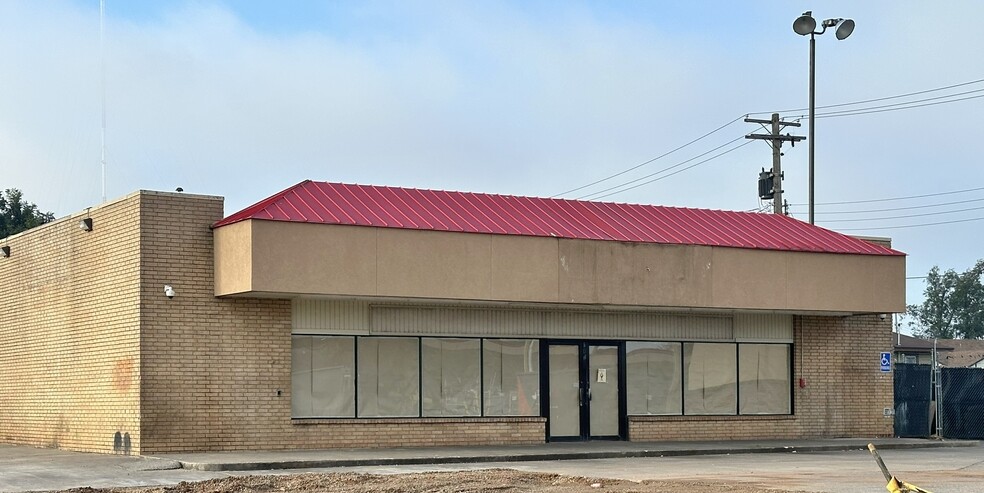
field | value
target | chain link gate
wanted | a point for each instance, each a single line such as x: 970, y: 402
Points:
x: 936, y: 400
x: 960, y: 402
x: 913, y: 400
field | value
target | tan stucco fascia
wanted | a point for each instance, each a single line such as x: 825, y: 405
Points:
x: 234, y: 260
x: 299, y: 259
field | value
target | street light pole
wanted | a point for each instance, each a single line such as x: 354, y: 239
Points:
x: 810, y: 139
x: 803, y: 25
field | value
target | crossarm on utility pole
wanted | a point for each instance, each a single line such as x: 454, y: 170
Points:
x: 775, y: 140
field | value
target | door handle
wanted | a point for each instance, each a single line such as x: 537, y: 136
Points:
x: 583, y: 396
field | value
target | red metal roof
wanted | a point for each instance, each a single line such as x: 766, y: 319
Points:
x: 409, y: 208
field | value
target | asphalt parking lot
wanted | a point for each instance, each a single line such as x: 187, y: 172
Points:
x: 956, y: 470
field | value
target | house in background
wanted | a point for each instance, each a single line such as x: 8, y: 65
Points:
x: 963, y: 353
x: 951, y: 353
x: 914, y: 350
x: 332, y: 315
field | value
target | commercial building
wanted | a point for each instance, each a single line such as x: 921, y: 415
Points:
x: 333, y: 315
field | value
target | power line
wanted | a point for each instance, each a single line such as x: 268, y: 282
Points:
x: 949, y: 98
x: 620, y: 173
x: 678, y: 171
x: 937, y: 98
x: 839, y: 105
x: 915, y: 225
x: 903, y: 217
x: 899, y: 198
x: 893, y: 209
x: 862, y: 111
x: 903, y: 103
x: 677, y: 165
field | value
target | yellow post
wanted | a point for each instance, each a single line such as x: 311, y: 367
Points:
x: 894, y: 485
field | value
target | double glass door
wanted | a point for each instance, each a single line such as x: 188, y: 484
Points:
x: 584, y: 396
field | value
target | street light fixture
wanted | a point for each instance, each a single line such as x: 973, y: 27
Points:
x: 803, y: 25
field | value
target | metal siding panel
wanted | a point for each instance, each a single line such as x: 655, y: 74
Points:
x: 751, y: 327
x: 341, y: 199
x: 335, y: 203
x: 330, y: 203
x: 560, y: 324
x: 452, y: 202
x: 329, y: 317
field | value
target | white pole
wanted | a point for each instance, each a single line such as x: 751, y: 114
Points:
x: 102, y: 67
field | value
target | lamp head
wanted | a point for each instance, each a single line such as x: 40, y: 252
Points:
x: 805, y: 24
x: 845, y: 29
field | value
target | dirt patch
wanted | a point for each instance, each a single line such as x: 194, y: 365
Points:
x: 487, y: 480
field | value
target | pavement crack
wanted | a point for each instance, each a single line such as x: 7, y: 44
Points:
x: 968, y: 466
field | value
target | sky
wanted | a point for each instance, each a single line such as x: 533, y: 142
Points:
x: 246, y: 98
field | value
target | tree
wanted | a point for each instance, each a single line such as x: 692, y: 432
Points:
x: 954, y: 305
x: 17, y: 215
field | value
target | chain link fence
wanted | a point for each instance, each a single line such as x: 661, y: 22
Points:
x: 934, y: 400
x: 914, y: 402
x: 960, y: 402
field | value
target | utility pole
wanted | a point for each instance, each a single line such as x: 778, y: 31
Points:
x: 775, y: 140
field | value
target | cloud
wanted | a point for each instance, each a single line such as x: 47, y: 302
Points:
x: 524, y: 97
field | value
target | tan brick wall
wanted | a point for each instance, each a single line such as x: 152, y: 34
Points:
x: 211, y: 368
x: 845, y: 393
x: 69, y: 349
x: 216, y: 372
x: 92, y: 346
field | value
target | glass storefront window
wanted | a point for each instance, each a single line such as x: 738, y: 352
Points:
x: 764, y: 383
x: 511, y: 377
x: 710, y: 378
x: 653, y: 379
x: 389, y: 377
x: 451, y: 383
x: 501, y: 377
x: 323, y: 376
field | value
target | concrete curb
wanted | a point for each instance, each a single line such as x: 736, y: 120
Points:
x: 550, y: 456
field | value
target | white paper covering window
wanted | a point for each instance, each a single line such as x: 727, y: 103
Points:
x: 389, y: 377
x: 764, y: 386
x: 511, y: 369
x: 653, y: 379
x: 451, y: 377
x: 710, y: 378
x: 323, y: 376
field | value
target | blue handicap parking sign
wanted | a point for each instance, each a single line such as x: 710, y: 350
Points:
x: 886, y: 361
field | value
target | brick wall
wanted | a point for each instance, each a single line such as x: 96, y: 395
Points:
x: 69, y: 353
x: 211, y: 368
x: 216, y: 372
x: 92, y: 348
x: 845, y: 392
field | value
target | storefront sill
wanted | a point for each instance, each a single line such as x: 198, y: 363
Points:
x: 426, y: 421
x: 744, y: 417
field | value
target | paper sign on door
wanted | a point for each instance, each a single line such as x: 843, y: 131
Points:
x: 602, y: 375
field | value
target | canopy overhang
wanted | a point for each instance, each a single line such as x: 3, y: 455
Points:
x: 265, y: 258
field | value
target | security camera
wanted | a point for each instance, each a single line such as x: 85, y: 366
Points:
x: 168, y: 291
x: 882, y: 316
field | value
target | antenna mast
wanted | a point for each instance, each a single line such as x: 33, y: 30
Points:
x: 102, y: 67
